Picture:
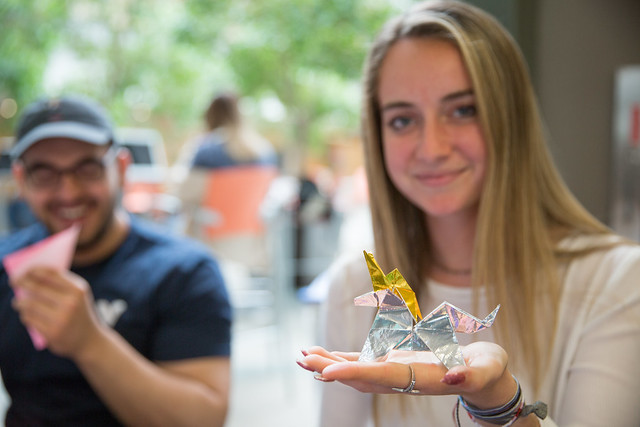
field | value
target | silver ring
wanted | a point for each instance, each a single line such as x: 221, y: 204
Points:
x: 409, y: 389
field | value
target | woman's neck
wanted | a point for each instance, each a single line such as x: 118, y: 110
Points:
x: 452, y: 242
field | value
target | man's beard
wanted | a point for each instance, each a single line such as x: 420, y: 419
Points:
x: 101, y: 232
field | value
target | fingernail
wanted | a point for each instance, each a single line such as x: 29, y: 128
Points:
x: 304, y: 352
x: 319, y: 377
x: 304, y: 365
x: 454, y: 378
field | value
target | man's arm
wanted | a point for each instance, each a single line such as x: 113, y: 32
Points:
x: 139, y: 392
x: 59, y: 305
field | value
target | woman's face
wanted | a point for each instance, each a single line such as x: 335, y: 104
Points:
x: 434, y: 149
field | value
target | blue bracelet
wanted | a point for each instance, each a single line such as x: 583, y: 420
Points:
x: 504, y: 415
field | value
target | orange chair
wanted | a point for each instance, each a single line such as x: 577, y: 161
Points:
x: 233, y: 197
x: 227, y: 216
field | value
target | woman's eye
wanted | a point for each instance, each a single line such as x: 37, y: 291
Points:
x: 399, y: 123
x: 465, y: 111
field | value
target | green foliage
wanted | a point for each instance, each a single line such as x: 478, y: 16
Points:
x: 157, y: 62
x: 309, y: 53
x: 30, y: 28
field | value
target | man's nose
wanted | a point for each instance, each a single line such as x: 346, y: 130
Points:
x: 69, y: 184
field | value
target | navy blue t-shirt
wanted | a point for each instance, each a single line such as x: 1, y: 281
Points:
x: 163, y: 294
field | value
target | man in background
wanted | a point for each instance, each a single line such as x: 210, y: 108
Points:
x: 138, y: 331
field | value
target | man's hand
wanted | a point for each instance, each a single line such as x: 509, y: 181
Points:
x: 59, y: 305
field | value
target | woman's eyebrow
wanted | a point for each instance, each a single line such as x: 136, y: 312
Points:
x: 447, y: 98
x: 458, y: 94
x: 398, y: 104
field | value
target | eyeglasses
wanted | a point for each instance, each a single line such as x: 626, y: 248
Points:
x: 46, y: 177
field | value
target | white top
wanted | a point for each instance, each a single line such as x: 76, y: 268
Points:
x: 592, y: 377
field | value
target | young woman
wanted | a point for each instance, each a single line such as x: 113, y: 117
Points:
x: 467, y: 204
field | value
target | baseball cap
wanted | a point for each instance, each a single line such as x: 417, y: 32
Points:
x: 73, y: 117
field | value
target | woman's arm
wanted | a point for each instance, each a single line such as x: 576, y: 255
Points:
x: 485, y: 382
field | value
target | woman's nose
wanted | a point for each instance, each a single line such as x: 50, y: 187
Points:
x: 434, y: 143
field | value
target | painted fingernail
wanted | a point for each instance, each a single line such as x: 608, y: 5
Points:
x: 304, y: 352
x: 319, y: 377
x: 303, y: 365
x: 454, y: 378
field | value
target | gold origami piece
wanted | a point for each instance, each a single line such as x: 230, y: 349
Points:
x: 399, y: 325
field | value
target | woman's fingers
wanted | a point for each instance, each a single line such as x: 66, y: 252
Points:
x: 383, y: 377
x: 484, y: 378
x: 351, y: 357
x: 320, y: 351
x: 370, y: 377
x: 316, y: 359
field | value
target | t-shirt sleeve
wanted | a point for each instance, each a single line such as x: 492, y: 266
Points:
x: 195, y: 314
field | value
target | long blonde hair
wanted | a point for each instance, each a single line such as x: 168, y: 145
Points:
x: 525, y: 207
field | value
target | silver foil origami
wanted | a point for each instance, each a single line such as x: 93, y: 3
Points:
x: 398, y: 324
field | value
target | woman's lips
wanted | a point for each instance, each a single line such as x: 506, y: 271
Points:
x: 438, y: 179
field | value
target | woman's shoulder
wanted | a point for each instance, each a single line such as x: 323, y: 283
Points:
x: 583, y: 241
x: 600, y: 247
x: 609, y: 263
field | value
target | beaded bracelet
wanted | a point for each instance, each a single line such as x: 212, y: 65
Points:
x: 504, y: 415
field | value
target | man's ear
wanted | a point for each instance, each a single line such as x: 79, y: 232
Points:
x: 18, y: 172
x: 123, y: 159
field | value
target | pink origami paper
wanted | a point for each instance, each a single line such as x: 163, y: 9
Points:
x: 55, y: 251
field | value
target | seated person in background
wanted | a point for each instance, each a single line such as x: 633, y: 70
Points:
x: 222, y: 191
x: 161, y: 355
x: 229, y: 141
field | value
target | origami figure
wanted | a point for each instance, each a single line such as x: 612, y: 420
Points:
x: 55, y: 251
x: 399, y: 325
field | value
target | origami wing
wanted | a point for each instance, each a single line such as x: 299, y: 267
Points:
x: 437, y: 331
x: 462, y: 321
x: 392, y: 324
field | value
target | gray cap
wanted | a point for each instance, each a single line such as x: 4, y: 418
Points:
x: 72, y: 117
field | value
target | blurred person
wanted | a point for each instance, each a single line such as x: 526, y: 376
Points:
x: 138, y: 330
x: 228, y: 177
x: 467, y: 204
x: 229, y: 141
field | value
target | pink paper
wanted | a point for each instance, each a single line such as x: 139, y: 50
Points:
x: 55, y: 251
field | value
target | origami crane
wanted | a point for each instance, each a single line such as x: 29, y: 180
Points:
x: 398, y: 325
